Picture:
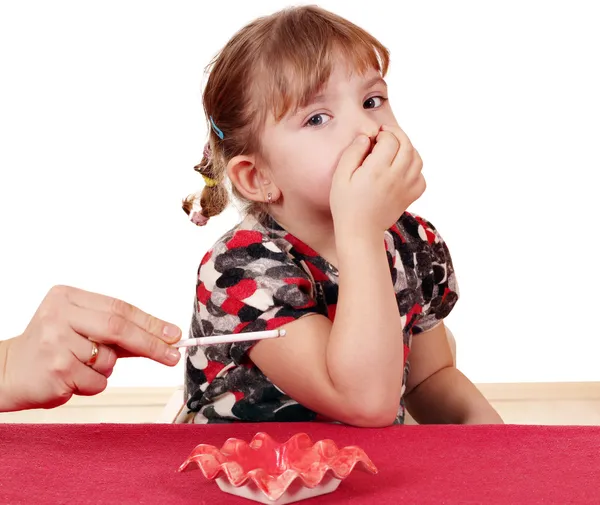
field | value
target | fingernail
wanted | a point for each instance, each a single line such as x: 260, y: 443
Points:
x: 173, y: 355
x: 171, y: 332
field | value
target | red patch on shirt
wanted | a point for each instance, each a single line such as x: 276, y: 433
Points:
x: 302, y: 283
x: 416, y: 309
x: 430, y: 235
x: 396, y: 229
x: 240, y: 327
x: 238, y: 395
x: 212, y: 369
x: 447, y: 291
x: 309, y: 304
x: 202, y: 293
x: 232, y: 306
x: 206, y: 257
x: 300, y: 246
x: 243, y: 289
x: 244, y: 238
x: 317, y: 273
x: 331, y: 309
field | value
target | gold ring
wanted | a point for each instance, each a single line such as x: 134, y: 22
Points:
x: 94, y: 356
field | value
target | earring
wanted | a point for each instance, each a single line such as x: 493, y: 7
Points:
x: 269, y: 198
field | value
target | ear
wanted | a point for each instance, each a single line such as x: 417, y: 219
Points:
x: 252, y: 183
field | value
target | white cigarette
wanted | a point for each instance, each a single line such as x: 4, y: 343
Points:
x: 224, y: 339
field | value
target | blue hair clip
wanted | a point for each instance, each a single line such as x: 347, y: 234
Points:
x: 216, y: 130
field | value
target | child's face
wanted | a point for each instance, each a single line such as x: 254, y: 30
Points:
x: 304, y: 148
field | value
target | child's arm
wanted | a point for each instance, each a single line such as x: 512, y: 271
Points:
x: 350, y: 370
x: 436, y: 392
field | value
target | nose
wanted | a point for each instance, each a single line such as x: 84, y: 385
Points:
x: 367, y: 125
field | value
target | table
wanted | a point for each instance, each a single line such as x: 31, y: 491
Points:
x: 120, y: 463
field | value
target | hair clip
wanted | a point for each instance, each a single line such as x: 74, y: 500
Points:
x: 194, y: 210
x: 209, y: 182
x: 216, y: 130
x: 198, y: 218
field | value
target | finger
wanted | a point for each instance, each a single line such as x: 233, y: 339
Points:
x: 82, y: 348
x: 86, y: 381
x: 398, y: 133
x: 150, y: 324
x: 115, y: 330
x: 416, y: 166
x: 106, y: 360
x: 353, y: 157
x: 384, y: 152
x: 405, y: 154
x: 122, y: 353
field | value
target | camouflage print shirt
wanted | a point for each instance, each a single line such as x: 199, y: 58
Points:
x: 260, y: 277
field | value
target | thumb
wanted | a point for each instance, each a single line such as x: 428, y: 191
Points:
x: 353, y: 156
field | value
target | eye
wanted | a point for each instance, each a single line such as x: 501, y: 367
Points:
x: 374, y: 102
x: 318, y: 119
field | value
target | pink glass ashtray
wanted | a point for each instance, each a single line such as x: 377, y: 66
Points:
x: 268, y: 472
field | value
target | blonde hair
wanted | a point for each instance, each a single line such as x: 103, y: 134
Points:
x: 274, y: 65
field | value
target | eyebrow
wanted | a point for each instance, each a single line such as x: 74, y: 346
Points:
x: 322, y: 97
x: 369, y: 84
x: 376, y: 80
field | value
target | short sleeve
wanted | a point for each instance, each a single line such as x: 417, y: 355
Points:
x: 246, y: 283
x: 438, y: 285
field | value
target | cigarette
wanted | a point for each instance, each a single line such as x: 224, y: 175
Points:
x: 225, y: 339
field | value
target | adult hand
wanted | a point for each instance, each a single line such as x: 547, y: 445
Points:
x: 71, y: 346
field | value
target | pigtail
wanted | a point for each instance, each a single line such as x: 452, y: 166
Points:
x: 213, y: 198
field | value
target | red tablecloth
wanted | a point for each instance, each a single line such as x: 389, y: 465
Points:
x: 85, y: 464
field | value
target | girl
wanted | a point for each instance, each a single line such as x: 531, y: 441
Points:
x: 302, y: 127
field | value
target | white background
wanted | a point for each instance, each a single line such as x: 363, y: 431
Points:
x: 101, y: 124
